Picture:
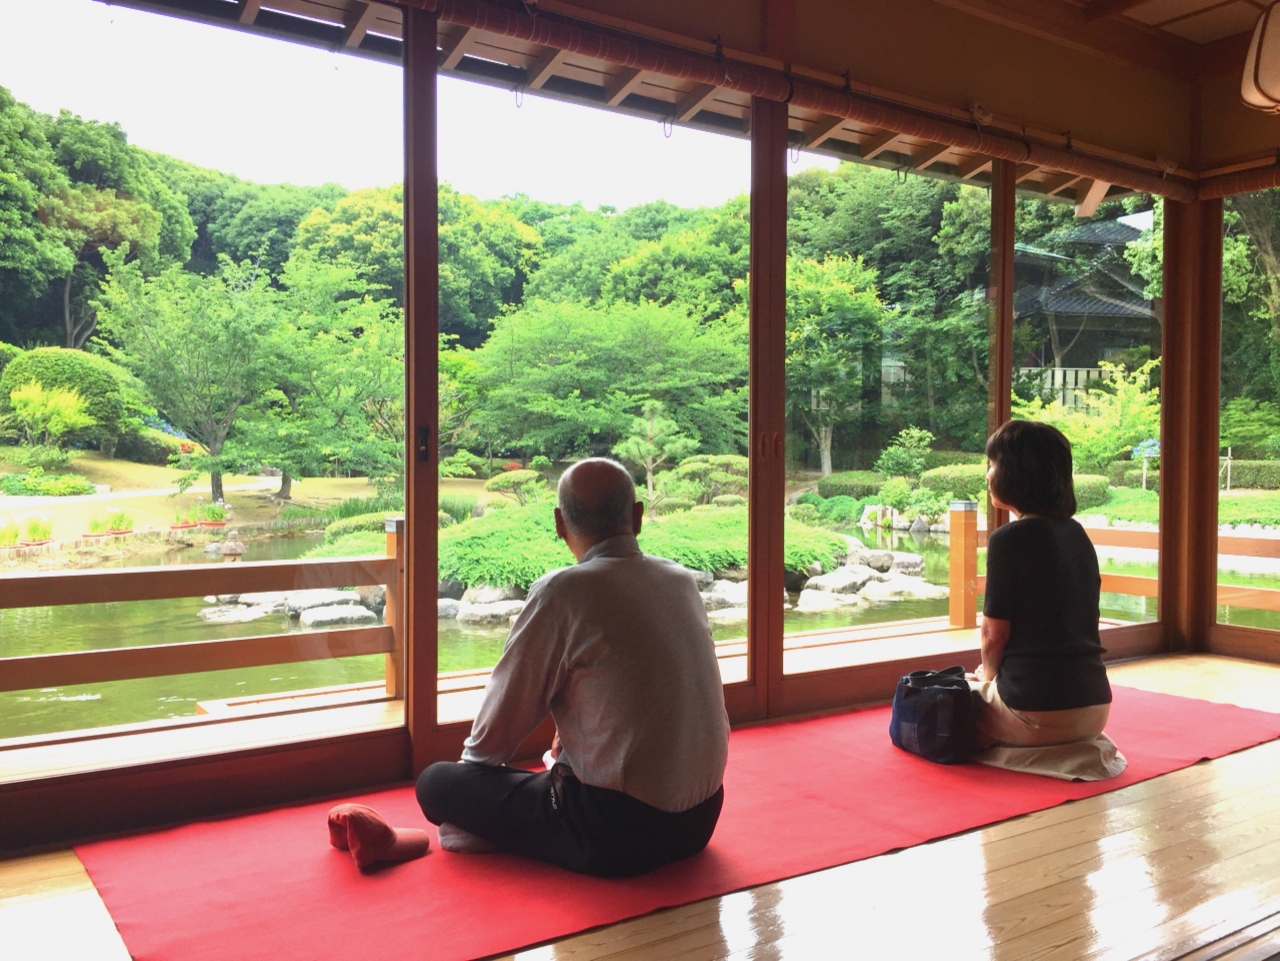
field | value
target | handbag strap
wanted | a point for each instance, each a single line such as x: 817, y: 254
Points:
x: 951, y: 677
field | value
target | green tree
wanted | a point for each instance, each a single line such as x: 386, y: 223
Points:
x: 654, y: 442
x: 206, y: 347
x: 833, y: 317
x: 905, y: 457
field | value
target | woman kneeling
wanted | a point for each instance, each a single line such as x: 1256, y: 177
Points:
x: 1042, y: 684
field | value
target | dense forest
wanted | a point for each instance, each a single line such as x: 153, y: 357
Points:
x: 263, y: 322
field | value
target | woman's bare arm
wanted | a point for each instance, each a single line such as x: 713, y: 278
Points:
x: 995, y: 635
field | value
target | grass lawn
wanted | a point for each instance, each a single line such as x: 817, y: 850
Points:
x: 1234, y: 507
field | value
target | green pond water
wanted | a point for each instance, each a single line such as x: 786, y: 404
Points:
x: 462, y: 647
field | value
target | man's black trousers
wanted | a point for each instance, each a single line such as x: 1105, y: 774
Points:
x: 554, y: 817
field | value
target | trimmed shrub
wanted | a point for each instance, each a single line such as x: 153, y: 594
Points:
x: 805, y: 514
x: 704, y: 477
x: 672, y: 505
x: 463, y: 463
x: 1116, y: 472
x: 729, y: 500
x: 151, y: 446
x: 522, y: 486
x: 851, y: 483
x: 895, y: 493
x: 1091, y: 490
x: 44, y: 485
x: 513, y: 546
x: 43, y: 456
x: 1257, y: 474
x: 351, y: 545
x: 445, y: 519
x: 950, y: 458
x: 113, y: 398
x: 7, y: 353
x: 962, y: 481
x: 351, y: 525
x: 1133, y: 478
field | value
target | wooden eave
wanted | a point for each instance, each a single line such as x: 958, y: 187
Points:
x: 508, y: 62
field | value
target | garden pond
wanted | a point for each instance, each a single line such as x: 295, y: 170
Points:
x: 462, y: 647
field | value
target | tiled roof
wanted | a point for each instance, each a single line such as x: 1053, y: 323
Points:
x: 1070, y: 300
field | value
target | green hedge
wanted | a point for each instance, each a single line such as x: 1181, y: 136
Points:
x: 729, y: 500
x: 672, y: 505
x: 1133, y: 478
x: 950, y: 458
x: 851, y: 483
x: 1091, y: 490
x: 1256, y: 474
x: 151, y: 446
x: 44, y: 485
x: 7, y: 353
x: 351, y: 525
x: 112, y: 396
x: 356, y: 544
x: 963, y: 481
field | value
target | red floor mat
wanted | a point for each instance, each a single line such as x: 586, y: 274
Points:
x: 799, y: 796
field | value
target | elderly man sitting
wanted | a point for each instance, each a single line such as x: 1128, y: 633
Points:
x: 618, y: 650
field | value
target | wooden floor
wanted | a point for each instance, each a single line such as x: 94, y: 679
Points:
x: 1185, y: 866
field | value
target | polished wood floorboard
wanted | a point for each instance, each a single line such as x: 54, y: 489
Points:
x: 1185, y: 866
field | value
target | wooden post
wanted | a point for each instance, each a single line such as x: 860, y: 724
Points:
x: 963, y: 564
x: 1000, y: 300
x: 1189, y: 379
x: 392, y: 614
x: 767, y: 491
x: 421, y: 260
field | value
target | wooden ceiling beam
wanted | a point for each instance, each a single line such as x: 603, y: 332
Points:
x: 1023, y: 172
x: 544, y: 68
x: 458, y: 48
x: 1118, y: 40
x: 1055, y: 185
x: 623, y: 85
x: 695, y: 101
x: 249, y: 11
x: 972, y: 167
x: 1101, y: 9
x: 823, y: 130
x: 878, y: 144
x: 1088, y: 195
x: 359, y: 19
x: 928, y: 155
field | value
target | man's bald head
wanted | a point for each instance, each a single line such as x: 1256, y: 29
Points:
x: 596, y: 497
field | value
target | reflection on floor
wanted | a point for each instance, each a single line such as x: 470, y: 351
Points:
x: 1182, y: 866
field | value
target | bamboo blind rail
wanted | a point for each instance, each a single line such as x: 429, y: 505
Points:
x: 191, y: 580
x: 189, y: 657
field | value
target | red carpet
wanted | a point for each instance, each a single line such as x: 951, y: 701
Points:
x: 799, y: 796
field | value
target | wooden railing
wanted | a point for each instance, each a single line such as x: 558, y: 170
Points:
x: 194, y: 580
x: 966, y: 583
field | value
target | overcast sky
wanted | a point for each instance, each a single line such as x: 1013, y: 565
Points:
x: 273, y: 111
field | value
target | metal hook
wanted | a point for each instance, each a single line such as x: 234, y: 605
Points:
x: 667, y: 127
x: 519, y: 96
x: 793, y: 153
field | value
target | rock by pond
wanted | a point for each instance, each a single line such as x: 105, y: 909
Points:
x: 447, y: 608
x: 816, y: 602
x: 843, y: 580
x: 337, y: 614
x: 486, y: 594
x: 495, y: 612
x: 906, y: 563
x: 897, y: 586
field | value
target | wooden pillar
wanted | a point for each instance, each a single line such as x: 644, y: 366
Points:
x: 1000, y: 301
x: 767, y: 394
x: 392, y: 610
x: 421, y: 256
x: 1189, y: 380
x: 962, y: 574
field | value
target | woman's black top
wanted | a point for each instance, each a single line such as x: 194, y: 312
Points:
x: 1042, y: 577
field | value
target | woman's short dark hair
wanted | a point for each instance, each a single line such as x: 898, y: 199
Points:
x: 1032, y: 469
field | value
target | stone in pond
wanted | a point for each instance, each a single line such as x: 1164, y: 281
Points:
x: 299, y: 601
x: 451, y: 588
x: 336, y: 615
x: 904, y: 563
x: 497, y: 612
x: 843, y: 580
x: 903, y: 587
x: 920, y: 526
x: 236, y: 615
x: 723, y: 594
x: 373, y: 596
x: 485, y: 594
x: 446, y: 608
x: 815, y: 602
x: 264, y: 598
x: 702, y: 578
x: 881, y: 561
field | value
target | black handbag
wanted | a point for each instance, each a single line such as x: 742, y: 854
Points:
x: 935, y: 717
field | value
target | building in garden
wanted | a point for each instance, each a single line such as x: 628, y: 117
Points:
x: 1001, y: 161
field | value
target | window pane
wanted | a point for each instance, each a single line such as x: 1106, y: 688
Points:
x: 1249, y: 435
x: 592, y: 303
x: 887, y: 341
x: 1087, y: 350
x: 211, y: 370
